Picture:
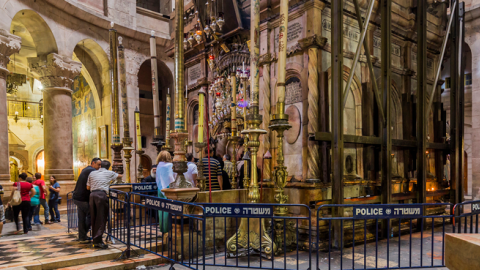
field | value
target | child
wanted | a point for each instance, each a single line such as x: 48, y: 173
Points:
x: 54, y: 189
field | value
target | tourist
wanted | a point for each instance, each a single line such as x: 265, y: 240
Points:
x: 151, y: 179
x: 43, y: 194
x: 54, y: 190
x: 164, y: 178
x: 225, y: 179
x: 192, y: 172
x: 228, y: 166
x: 214, y: 171
x: 98, y: 183
x: 33, y: 216
x: 239, y: 167
x: 152, y: 176
x: 26, y: 192
x: 2, y: 211
x: 81, y: 198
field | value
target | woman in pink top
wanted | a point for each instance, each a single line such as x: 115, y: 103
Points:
x: 26, y: 191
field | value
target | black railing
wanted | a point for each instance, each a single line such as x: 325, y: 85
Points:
x: 72, y: 216
x: 256, y: 236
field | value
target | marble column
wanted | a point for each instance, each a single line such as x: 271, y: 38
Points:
x: 56, y: 73
x: 9, y: 44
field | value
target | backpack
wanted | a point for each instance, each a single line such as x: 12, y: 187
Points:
x: 17, y: 197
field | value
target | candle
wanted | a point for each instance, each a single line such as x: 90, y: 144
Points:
x: 139, y: 133
x: 167, y: 124
x: 201, y: 110
x: 243, y: 69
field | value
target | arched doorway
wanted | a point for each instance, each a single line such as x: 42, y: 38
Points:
x: 146, y: 164
x: 40, y: 163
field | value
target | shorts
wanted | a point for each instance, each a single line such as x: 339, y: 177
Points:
x: 2, y: 214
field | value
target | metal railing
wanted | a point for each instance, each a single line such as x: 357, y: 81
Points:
x: 72, y: 216
x: 253, y: 235
x: 357, y: 236
x: 466, y: 218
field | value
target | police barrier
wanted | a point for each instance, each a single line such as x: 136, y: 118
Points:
x: 72, y: 216
x: 253, y: 236
x: 466, y: 217
x: 170, y: 229
x: 355, y: 240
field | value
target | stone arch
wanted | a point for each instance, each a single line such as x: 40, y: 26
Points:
x: 39, y: 31
x: 144, y: 84
x: 95, y: 69
x: 37, y: 39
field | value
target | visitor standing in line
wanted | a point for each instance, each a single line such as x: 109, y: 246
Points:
x: 81, y: 198
x: 54, y: 190
x: 215, y: 171
x: 151, y: 179
x: 26, y: 192
x: 98, y: 183
x: 34, y: 205
x: 2, y: 211
x: 165, y: 177
x: 192, y: 172
x: 43, y: 197
x: 228, y: 166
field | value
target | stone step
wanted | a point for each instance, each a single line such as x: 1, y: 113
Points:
x: 132, y: 263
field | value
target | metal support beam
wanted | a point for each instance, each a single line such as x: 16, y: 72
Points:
x: 363, y: 29
x: 337, y: 114
x: 421, y: 99
x: 386, y: 73
x: 439, y: 68
x: 458, y: 73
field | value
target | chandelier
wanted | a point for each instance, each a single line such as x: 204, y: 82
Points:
x: 15, y: 80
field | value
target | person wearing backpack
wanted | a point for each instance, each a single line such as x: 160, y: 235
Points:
x: 25, y: 190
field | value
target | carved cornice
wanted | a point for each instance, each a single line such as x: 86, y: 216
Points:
x: 312, y: 41
x: 265, y: 59
x: 9, y: 44
x: 54, y: 71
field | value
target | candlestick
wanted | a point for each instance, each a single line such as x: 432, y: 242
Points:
x: 201, y: 109
x: 139, y: 133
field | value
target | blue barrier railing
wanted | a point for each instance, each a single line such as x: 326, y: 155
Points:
x: 255, y: 236
x: 361, y: 225
x: 72, y: 216
x: 462, y: 215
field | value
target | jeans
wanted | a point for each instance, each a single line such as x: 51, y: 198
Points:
x: 43, y: 202
x: 84, y: 219
x: 53, y: 207
x: 24, y: 207
x: 31, y: 214
x: 36, y: 215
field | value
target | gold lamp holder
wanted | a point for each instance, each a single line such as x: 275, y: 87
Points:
x: 234, y: 140
x: 127, y: 154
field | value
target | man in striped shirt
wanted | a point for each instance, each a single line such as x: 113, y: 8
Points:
x: 215, y: 171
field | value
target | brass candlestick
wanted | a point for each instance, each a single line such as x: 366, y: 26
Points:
x: 201, y: 180
x: 234, y: 141
x: 127, y: 154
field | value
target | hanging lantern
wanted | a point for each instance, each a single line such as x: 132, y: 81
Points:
x: 213, y: 24
x: 220, y: 21
x: 198, y: 34
x: 211, y: 57
x: 207, y: 30
x: 191, y: 39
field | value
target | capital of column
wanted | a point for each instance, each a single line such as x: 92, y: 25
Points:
x: 54, y: 71
x: 9, y: 44
x: 312, y: 41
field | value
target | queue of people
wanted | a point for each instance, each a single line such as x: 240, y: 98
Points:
x: 26, y: 198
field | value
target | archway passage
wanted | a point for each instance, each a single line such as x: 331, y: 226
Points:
x: 40, y: 163
x: 165, y: 82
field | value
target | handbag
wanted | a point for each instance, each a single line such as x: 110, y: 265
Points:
x: 9, y: 213
x: 17, y: 197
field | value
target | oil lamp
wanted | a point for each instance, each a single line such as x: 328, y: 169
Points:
x: 220, y: 21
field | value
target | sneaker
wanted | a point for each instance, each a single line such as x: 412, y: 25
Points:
x: 57, y: 221
x: 48, y: 222
x: 100, y: 246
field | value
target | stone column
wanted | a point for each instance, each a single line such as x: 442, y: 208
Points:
x: 9, y: 44
x: 312, y: 44
x: 56, y: 74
